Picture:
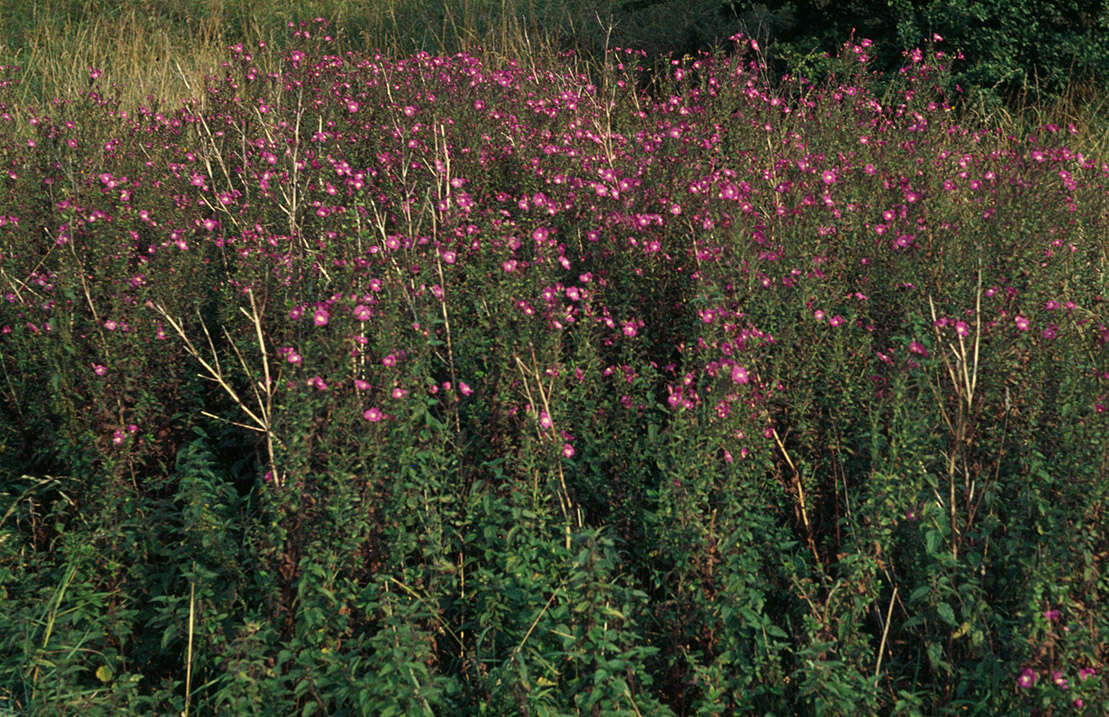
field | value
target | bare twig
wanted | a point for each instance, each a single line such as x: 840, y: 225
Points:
x: 261, y: 415
x: 189, y: 649
x: 800, y: 494
x: 885, y: 632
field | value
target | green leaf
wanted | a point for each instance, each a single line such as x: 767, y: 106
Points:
x: 946, y: 614
x: 935, y: 656
x: 774, y: 631
x: 104, y: 674
x: 932, y: 541
x: 918, y: 594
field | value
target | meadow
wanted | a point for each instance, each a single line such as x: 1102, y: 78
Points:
x: 341, y: 382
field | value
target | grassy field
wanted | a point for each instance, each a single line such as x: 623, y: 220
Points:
x: 345, y: 378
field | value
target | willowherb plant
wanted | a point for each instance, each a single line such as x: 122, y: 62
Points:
x: 469, y: 383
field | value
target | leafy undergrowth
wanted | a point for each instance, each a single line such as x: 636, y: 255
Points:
x: 374, y: 386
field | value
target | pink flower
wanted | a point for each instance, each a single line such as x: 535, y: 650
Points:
x: 1086, y: 673
x: 1051, y: 615
x: 362, y: 312
x: 1022, y: 323
x: 739, y: 374
x: 961, y: 329
x: 361, y: 385
x: 567, y: 450
x: 399, y: 392
x: 373, y: 415
x: 321, y: 317
x: 918, y: 348
x: 1059, y: 680
x: 1027, y: 678
x: 836, y: 320
x: 545, y: 420
x: 99, y: 370
x: 466, y: 390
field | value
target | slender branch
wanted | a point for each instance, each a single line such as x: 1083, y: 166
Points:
x: 885, y: 632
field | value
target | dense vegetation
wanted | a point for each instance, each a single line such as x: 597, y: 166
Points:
x: 481, y: 383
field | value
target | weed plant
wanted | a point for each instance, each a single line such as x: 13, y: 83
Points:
x: 461, y: 385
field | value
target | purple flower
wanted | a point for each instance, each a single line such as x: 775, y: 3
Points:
x: 1027, y: 678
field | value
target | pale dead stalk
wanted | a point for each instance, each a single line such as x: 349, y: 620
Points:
x: 962, y: 370
x: 564, y: 500
x: 261, y: 415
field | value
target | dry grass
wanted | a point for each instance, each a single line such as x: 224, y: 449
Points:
x: 164, y: 51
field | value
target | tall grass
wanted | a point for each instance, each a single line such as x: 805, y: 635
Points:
x: 474, y: 383
x: 165, y: 50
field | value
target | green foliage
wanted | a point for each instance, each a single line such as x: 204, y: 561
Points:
x: 442, y: 387
x: 1012, y: 51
